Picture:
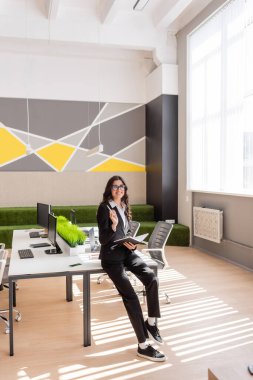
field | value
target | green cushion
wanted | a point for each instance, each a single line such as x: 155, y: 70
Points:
x: 87, y: 214
x: 84, y: 214
x: 6, y: 233
x: 180, y: 235
x: 16, y: 218
x: 142, y: 213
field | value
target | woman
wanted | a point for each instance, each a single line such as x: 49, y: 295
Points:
x: 113, y: 218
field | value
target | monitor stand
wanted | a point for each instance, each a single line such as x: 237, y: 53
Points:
x: 53, y: 251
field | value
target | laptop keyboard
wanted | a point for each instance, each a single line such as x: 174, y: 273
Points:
x: 25, y: 253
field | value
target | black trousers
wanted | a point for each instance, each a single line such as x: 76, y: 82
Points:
x: 116, y: 270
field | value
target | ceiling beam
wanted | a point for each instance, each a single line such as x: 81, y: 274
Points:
x: 169, y: 14
x: 107, y: 10
x: 52, y: 7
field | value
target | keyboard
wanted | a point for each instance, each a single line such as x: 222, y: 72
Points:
x: 38, y: 245
x: 25, y: 253
x: 34, y: 234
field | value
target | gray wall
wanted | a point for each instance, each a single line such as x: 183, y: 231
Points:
x: 26, y: 179
x: 237, y: 245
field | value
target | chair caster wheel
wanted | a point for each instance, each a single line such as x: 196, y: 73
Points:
x: 18, y: 318
x: 7, y: 330
x: 168, y: 300
x: 99, y: 282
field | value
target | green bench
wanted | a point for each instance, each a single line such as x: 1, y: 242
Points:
x: 17, y: 218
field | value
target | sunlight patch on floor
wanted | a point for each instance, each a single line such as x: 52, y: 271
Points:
x: 137, y: 367
x: 191, y: 344
x: 115, y: 329
x: 116, y: 338
x: 207, y: 331
x: 217, y: 351
x: 156, y: 368
x: 113, y: 351
x: 23, y: 375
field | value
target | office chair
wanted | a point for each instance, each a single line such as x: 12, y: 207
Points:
x: 4, y: 268
x: 134, y: 227
x: 155, y: 250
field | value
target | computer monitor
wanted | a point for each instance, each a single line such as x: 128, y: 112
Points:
x: 43, y: 210
x: 73, y: 216
x: 52, y: 223
x: 42, y: 220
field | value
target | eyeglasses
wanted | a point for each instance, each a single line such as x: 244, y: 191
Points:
x: 120, y: 187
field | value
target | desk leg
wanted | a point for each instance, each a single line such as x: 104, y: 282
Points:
x: 156, y: 273
x: 69, y: 290
x: 86, y: 310
x: 14, y: 295
x: 11, y: 284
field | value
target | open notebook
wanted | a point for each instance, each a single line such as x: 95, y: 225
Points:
x: 134, y: 240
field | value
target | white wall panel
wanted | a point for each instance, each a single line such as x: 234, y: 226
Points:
x: 71, y: 78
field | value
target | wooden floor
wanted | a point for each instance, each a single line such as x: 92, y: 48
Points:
x: 208, y: 324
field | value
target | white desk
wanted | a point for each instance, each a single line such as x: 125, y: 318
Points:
x: 43, y: 265
x: 55, y: 263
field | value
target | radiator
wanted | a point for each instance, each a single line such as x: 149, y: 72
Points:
x: 208, y: 223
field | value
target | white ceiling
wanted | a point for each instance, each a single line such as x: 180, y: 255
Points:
x: 92, y: 26
x: 170, y: 14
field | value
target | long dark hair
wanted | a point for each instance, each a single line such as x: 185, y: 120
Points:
x: 107, y: 195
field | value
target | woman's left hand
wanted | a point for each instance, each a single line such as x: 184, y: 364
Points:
x: 130, y: 246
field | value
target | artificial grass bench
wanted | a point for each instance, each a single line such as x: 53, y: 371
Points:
x: 17, y: 218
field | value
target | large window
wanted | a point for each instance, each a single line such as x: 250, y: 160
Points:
x: 220, y: 101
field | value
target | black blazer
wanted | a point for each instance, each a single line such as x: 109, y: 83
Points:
x: 107, y: 236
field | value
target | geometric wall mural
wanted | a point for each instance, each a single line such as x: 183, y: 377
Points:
x: 62, y: 133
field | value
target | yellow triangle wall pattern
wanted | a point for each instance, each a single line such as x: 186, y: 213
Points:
x: 10, y: 147
x: 56, y: 155
x: 114, y: 165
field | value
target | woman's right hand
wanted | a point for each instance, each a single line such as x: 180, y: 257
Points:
x: 114, y: 218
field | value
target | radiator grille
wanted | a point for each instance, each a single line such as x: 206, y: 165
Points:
x: 208, y: 223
